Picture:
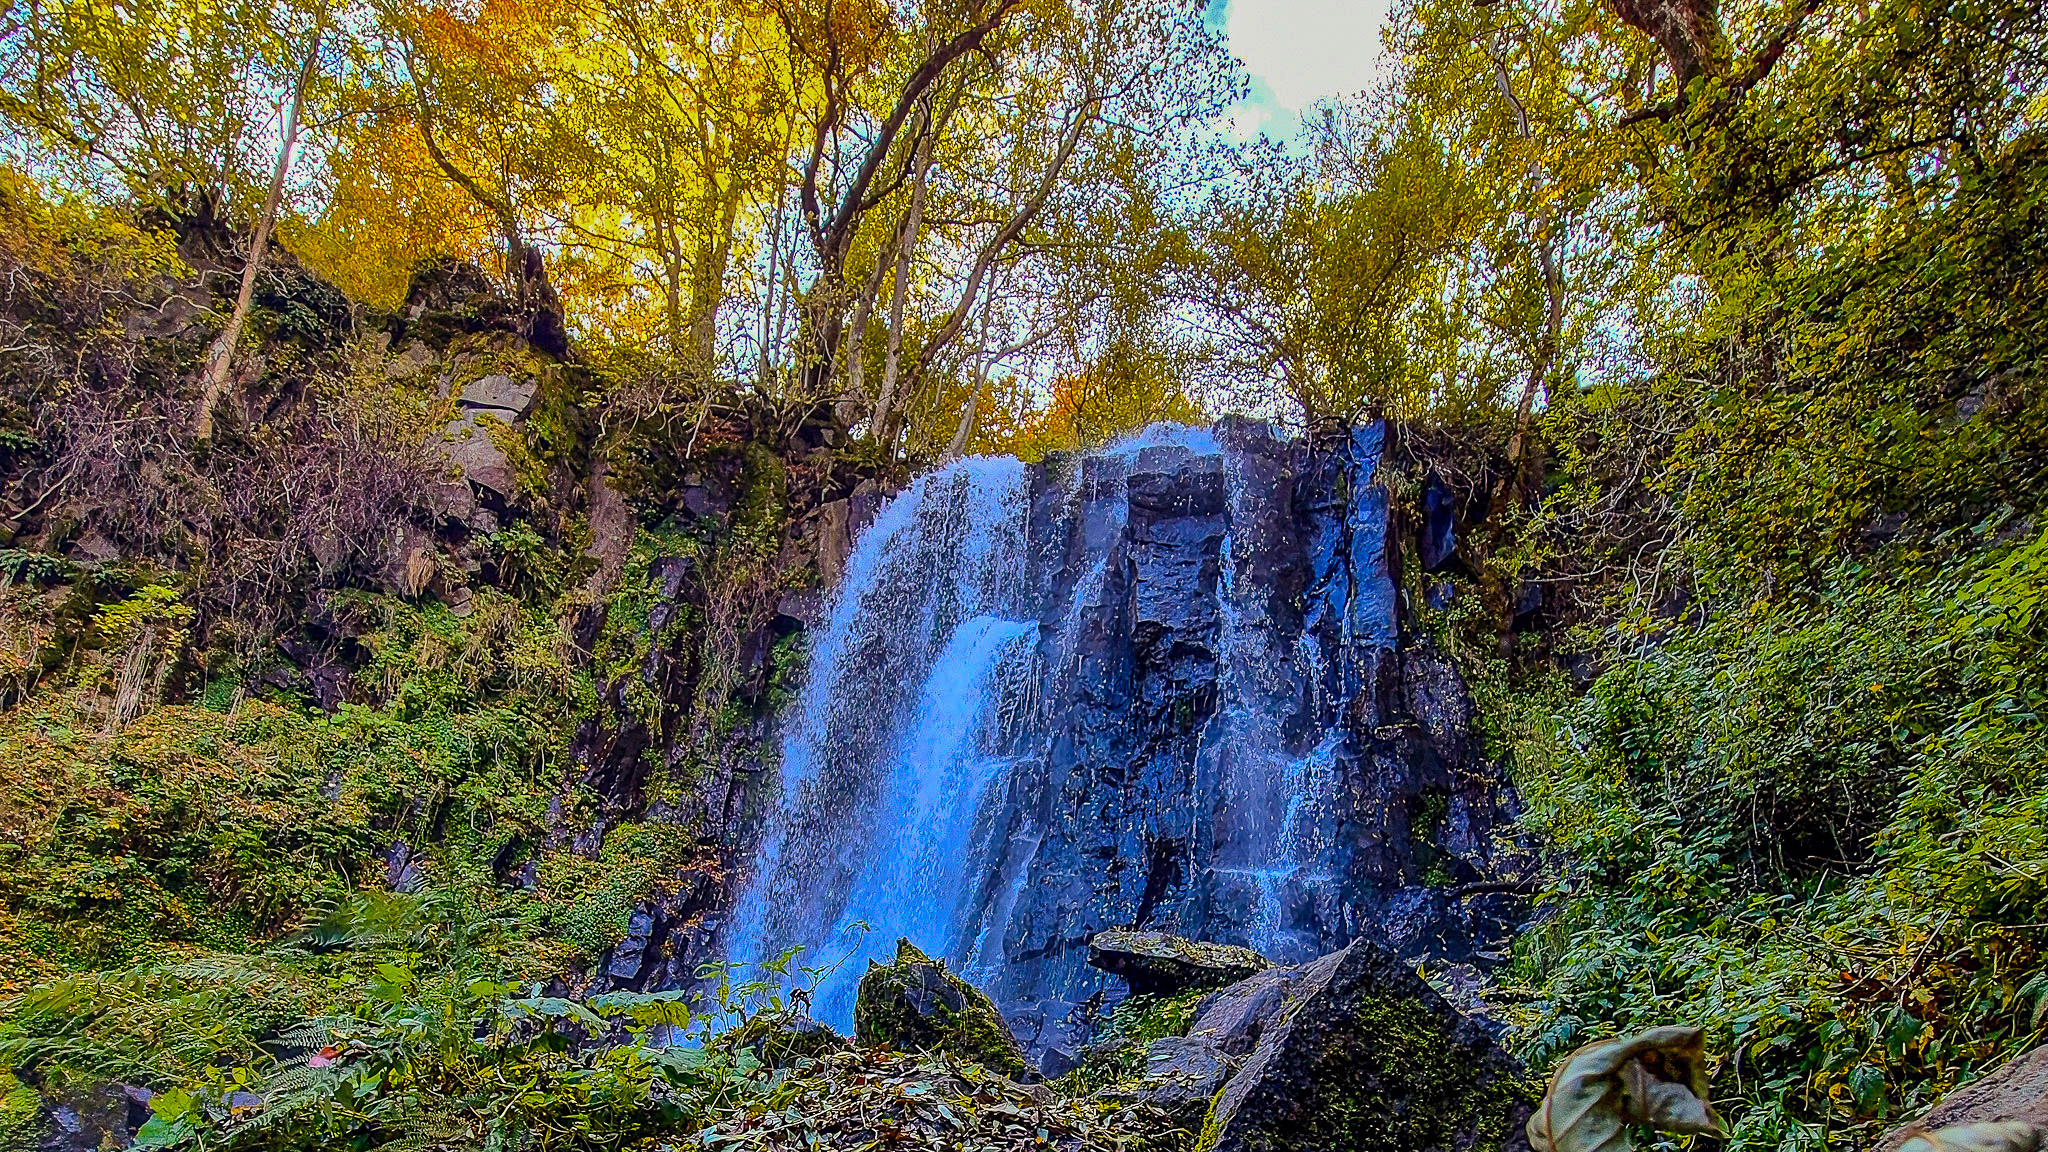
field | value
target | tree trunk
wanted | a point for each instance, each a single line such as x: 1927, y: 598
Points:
x: 1021, y: 218
x: 961, y: 434
x: 707, y: 282
x: 823, y: 323
x: 768, y: 288
x: 906, y: 245
x: 855, y: 398
x: 214, y: 379
x: 1553, y: 284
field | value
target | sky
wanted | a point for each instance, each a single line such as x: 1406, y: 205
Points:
x: 1297, y: 52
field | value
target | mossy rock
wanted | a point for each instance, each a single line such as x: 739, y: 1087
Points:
x: 1161, y: 964
x: 1368, y: 1058
x: 915, y: 1005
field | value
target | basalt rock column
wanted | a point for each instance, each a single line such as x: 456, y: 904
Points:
x: 1161, y: 686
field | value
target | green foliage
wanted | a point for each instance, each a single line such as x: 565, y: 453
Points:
x: 1818, y: 831
x: 429, y: 1037
x: 1117, y: 1055
x: 1895, y: 373
x: 1792, y: 521
x: 218, y: 826
x: 473, y: 1062
x: 589, y: 902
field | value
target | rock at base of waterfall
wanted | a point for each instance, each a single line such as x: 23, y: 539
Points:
x: 1158, y: 964
x: 1182, y: 1075
x: 1367, y: 1056
x: 778, y: 1040
x: 915, y: 1005
x: 2016, y: 1092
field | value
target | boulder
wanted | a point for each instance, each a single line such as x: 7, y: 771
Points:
x: 1182, y: 1075
x: 2017, y: 1091
x: 611, y: 530
x: 835, y: 541
x: 1234, y: 1018
x: 915, y: 1005
x: 409, y: 361
x: 504, y: 394
x: 468, y: 445
x: 1366, y: 1056
x: 88, y: 1120
x: 1158, y: 964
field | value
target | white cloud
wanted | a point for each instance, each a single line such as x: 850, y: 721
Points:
x: 1305, y: 50
x: 1258, y: 114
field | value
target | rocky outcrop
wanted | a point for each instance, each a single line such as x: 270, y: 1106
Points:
x: 1161, y: 964
x: 915, y: 1005
x: 2016, y: 1092
x: 1182, y: 691
x: 1184, y: 1073
x: 494, y: 401
x: 1242, y: 742
x: 87, y: 1120
x: 1366, y: 1056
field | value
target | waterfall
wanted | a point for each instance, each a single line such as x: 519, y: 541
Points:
x: 1157, y: 684
x: 892, y: 743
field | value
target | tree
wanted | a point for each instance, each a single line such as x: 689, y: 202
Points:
x: 170, y: 102
x: 214, y: 378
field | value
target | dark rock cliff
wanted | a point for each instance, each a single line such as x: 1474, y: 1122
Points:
x: 1242, y: 745
x: 1221, y: 724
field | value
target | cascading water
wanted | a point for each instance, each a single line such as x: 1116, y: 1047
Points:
x: 891, y: 746
x: 1159, y: 684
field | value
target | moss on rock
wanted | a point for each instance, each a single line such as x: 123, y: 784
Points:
x: 1161, y: 964
x: 916, y: 1005
x: 1369, y: 1059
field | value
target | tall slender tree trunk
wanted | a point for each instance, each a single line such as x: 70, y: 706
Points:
x: 1553, y: 279
x: 707, y: 282
x: 214, y: 379
x: 856, y: 396
x: 906, y: 245
x: 965, y: 430
x: 768, y: 289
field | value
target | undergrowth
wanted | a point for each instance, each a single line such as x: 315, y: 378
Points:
x: 1818, y: 828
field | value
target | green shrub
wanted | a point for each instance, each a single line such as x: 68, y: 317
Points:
x: 1820, y: 830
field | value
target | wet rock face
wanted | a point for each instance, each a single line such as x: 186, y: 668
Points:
x: 1171, y: 686
x: 1240, y: 744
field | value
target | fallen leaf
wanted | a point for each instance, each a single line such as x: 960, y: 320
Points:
x: 1656, y: 1077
